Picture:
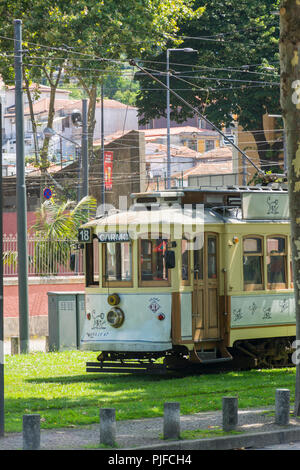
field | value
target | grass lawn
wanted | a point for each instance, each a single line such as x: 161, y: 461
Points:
x: 56, y: 386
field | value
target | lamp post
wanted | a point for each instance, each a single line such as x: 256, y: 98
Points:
x: 185, y: 49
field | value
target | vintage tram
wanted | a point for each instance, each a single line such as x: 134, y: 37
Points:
x: 193, y: 276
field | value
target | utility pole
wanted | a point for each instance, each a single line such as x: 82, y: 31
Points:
x: 85, y: 152
x: 102, y: 148
x: 21, y: 194
x: 1, y: 292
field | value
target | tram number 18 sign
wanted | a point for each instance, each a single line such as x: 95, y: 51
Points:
x: 84, y: 235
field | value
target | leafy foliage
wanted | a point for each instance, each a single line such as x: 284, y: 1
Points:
x: 56, y: 226
x: 236, y: 70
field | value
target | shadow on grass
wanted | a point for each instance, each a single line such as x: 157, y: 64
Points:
x: 101, y: 377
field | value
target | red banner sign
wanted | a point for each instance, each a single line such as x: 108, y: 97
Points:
x: 108, y: 170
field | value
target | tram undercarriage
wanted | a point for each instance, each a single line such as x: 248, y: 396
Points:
x: 255, y: 353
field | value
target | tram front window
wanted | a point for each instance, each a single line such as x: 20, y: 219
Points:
x: 152, y: 260
x: 117, y: 262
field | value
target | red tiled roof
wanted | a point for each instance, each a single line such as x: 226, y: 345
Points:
x: 218, y: 153
x: 216, y: 168
x: 42, y: 106
x: 151, y: 133
x: 176, y: 151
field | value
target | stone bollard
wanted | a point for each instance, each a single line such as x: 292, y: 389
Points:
x: 171, y: 420
x: 31, y: 432
x: 282, y: 406
x: 230, y: 413
x: 108, y: 426
x: 14, y: 345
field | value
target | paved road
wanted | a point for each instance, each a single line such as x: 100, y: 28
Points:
x: 290, y: 446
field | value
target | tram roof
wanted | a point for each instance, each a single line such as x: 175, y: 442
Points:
x: 169, y: 216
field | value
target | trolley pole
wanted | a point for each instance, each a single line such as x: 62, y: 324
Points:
x: 21, y: 194
x: 85, y: 152
x: 1, y: 292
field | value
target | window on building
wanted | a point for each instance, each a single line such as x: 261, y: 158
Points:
x: 191, y: 144
x: 253, y: 263
x: 276, y: 261
x: 209, y: 145
x: 117, y: 263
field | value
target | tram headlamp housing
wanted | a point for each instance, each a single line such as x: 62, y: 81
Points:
x: 115, y: 317
x: 113, y: 299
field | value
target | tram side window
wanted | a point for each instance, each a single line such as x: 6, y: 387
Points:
x: 252, y: 263
x: 276, y: 261
x: 117, y: 262
x: 92, y: 264
x: 152, y: 260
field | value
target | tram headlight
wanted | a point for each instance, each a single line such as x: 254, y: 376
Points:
x: 113, y: 299
x: 115, y: 317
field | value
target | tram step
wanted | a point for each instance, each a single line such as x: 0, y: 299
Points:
x: 216, y: 360
x: 117, y: 367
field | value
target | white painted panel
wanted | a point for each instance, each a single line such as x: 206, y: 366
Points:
x: 141, y: 330
x: 186, y: 315
x: 250, y: 310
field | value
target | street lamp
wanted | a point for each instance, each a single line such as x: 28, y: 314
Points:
x: 184, y: 49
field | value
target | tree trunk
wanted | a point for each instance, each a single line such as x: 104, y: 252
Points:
x: 290, y: 104
x: 32, y: 118
x: 91, y: 116
x: 44, y: 163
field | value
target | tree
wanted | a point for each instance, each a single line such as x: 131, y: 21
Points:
x: 56, y: 229
x: 234, y: 73
x: 105, y: 34
x: 85, y: 39
x: 290, y: 103
x: 39, y: 62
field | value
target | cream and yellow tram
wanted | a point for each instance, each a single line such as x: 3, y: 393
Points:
x: 193, y: 276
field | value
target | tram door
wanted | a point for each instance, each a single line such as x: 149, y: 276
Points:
x: 205, y: 315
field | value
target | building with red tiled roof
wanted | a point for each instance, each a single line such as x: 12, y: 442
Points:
x: 200, y: 140
x: 215, y: 167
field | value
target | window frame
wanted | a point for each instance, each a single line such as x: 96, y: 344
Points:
x: 186, y: 282
x: 278, y: 285
x: 151, y: 283
x: 252, y: 286
x: 90, y: 281
x: 116, y: 283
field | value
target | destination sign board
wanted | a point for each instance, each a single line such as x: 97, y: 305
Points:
x: 265, y: 206
x: 113, y: 237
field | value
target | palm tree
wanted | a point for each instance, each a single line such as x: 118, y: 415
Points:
x: 56, y: 228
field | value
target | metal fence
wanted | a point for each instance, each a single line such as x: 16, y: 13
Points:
x: 45, y: 257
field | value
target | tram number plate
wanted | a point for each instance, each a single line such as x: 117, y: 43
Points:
x: 84, y: 235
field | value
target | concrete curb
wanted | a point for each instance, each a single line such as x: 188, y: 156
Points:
x: 261, y: 439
